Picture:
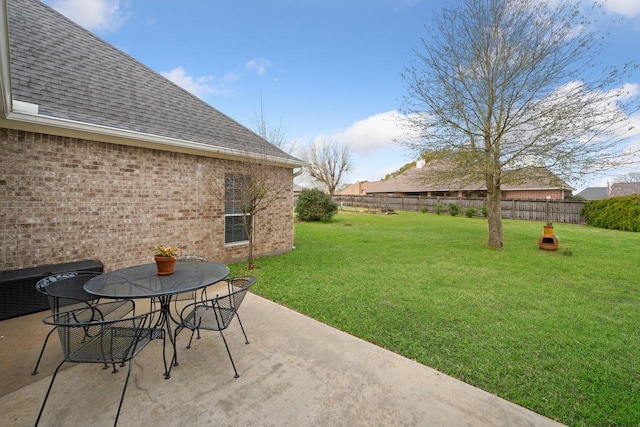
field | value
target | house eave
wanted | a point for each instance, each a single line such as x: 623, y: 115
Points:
x: 73, y: 129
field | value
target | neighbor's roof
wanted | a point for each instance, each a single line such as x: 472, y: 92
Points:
x: 624, y: 188
x: 594, y: 193
x: 361, y: 187
x: 422, y: 180
x: 65, y: 77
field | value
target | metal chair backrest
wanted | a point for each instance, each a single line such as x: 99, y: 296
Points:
x: 192, y: 258
x: 216, y: 313
x: 65, y: 291
x: 228, y: 305
x: 86, y: 337
x: 189, y: 296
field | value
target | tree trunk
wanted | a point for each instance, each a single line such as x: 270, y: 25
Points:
x: 494, y: 216
x: 250, y: 264
x: 248, y: 228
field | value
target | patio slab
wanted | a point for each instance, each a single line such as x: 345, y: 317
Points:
x: 295, y: 372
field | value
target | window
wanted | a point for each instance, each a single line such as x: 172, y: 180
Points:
x: 236, y: 188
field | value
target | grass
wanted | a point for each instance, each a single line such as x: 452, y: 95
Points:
x: 556, y: 332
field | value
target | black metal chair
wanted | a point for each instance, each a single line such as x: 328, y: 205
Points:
x: 65, y: 292
x: 216, y: 314
x: 189, y: 296
x: 185, y: 296
x: 95, y: 340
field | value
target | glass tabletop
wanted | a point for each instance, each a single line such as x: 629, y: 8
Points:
x: 142, y: 281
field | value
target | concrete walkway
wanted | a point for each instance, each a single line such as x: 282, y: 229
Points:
x: 295, y: 372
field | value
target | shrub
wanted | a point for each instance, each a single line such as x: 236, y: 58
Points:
x: 483, y: 211
x: 470, y: 212
x: 615, y: 213
x: 424, y: 209
x: 314, y: 205
x: 453, y: 209
x: 439, y: 208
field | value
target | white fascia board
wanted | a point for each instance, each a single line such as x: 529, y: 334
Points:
x: 44, y: 124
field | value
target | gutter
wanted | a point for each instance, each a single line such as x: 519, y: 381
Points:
x: 5, y: 67
x: 26, y: 118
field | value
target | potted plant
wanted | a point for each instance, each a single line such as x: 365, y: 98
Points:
x: 166, y: 257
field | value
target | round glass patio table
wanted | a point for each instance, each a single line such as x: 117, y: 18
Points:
x: 142, y: 281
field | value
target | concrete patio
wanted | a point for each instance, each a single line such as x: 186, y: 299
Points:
x: 295, y: 372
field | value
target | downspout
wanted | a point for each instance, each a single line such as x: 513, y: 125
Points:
x: 5, y: 62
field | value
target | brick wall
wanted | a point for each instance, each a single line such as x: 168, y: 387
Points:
x: 66, y: 199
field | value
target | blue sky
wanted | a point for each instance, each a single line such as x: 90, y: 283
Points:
x: 323, y: 68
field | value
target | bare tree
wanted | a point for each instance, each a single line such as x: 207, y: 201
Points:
x: 328, y: 162
x: 629, y: 177
x: 248, y: 194
x: 276, y: 135
x: 503, y: 85
x: 250, y: 185
x: 256, y: 186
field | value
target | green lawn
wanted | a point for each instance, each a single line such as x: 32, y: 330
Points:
x: 556, y: 332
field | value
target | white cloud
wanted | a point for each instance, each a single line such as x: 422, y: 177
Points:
x: 629, y: 8
x: 372, y: 144
x: 200, y: 86
x: 372, y: 134
x: 92, y: 14
x: 259, y: 65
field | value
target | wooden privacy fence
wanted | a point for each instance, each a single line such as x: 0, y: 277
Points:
x: 535, y: 210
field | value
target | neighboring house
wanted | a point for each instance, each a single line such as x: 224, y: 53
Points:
x: 593, y: 193
x: 358, y: 188
x: 422, y: 180
x: 624, y: 189
x: 103, y: 158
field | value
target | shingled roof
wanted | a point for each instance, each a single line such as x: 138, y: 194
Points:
x: 424, y: 179
x: 594, y: 193
x: 64, y: 76
x: 624, y: 188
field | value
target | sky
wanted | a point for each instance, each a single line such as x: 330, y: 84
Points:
x: 319, y: 69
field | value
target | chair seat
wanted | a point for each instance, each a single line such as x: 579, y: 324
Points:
x: 208, y: 317
x: 108, y: 348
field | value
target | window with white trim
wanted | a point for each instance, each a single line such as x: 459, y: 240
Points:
x: 235, y: 193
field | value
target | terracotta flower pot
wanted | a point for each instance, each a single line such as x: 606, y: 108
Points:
x: 165, y: 264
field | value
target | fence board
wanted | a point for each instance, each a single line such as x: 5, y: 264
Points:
x: 563, y: 211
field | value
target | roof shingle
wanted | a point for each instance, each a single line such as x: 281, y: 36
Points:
x: 72, y: 74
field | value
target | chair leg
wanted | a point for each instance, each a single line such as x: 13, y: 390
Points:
x: 246, y: 340
x: 193, y: 331
x: 48, y: 391
x: 124, y: 390
x: 164, y: 359
x: 179, y: 328
x: 229, y: 353
x: 35, y: 370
